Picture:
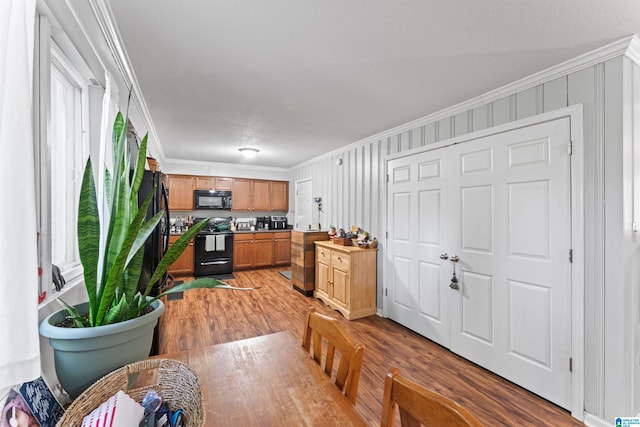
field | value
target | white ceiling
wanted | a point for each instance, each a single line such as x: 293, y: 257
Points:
x: 299, y: 78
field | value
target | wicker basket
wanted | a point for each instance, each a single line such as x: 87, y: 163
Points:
x: 174, y: 381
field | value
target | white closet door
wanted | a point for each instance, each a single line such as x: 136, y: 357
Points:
x: 417, y: 294
x: 502, y: 205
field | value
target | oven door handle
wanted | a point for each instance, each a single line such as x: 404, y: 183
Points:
x: 214, y: 263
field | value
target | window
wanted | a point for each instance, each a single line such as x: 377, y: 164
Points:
x: 66, y: 162
x: 61, y: 120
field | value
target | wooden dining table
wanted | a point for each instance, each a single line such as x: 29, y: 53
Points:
x: 268, y: 380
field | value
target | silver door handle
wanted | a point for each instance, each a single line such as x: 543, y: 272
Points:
x: 214, y: 263
x: 444, y: 256
x: 454, y: 258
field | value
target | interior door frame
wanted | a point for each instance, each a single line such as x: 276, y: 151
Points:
x: 299, y: 183
x: 575, y: 114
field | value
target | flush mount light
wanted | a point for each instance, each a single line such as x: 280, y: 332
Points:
x: 249, y: 153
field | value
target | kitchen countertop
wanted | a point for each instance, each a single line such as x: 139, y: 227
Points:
x: 271, y: 230
x: 280, y: 230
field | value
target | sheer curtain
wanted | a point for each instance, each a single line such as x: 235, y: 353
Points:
x: 19, y: 351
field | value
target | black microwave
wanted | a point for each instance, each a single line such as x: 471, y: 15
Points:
x: 212, y: 199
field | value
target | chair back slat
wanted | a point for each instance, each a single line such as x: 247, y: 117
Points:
x: 320, y: 328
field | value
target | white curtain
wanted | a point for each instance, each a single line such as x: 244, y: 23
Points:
x: 19, y: 348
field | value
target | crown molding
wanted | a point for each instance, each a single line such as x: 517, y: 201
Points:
x: 633, y: 51
x: 104, y: 16
x: 628, y: 46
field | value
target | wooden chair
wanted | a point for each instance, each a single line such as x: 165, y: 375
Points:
x: 419, y: 406
x: 319, y: 326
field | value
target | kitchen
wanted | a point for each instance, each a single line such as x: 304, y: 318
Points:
x: 351, y: 179
x: 248, y: 216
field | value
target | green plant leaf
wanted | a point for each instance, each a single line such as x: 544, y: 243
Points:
x: 174, y: 251
x: 131, y: 276
x: 145, y: 231
x: 139, y: 170
x: 89, y: 235
x: 79, y: 321
x: 108, y: 290
x: 118, y: 312
x: 201, y: 283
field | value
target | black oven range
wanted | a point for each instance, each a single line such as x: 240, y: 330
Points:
x: 213, y: 248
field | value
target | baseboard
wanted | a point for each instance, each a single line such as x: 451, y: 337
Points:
x: 594, y: 421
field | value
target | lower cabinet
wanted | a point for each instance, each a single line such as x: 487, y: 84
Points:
x: 346, y: 279
x: 261, y: 250
x: 282, y: 248
x: 184, y: 265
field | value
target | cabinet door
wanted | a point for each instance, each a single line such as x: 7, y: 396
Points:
x: 204, y: 183
x: 242, y: 194
x: 223, y: 183
x: 322, y: 278
x: 180, y: 192
x: 263, y: 250
x: 340, y: 286
x: 184, y: 265
x: 282, y: 248
x: 260, y: 195
x: 242, y: 251
x: 279, y: 196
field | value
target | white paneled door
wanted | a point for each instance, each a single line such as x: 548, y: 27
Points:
x: 500, y: 206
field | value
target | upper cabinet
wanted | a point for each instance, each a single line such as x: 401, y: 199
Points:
x: 181, y: 192
x: 260, y: 195
x: 279, y: 196
x: 212, y: 183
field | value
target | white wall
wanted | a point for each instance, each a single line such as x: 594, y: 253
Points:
x: 354, y: 193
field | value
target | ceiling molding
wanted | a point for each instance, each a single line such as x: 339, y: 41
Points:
x: 104, y: 16
x: 628, y: 46
x: 633, y: 51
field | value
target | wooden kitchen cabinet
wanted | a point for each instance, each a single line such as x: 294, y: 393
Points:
x: 260, y: 195
x: 261, y: 250
x: 252, y: 250
x: 282, y: 248
x: 242, y: 251
x: 184, y: 265
x: 346, y: 279
x: 303, y: 259
x: 279, y: 196
x: 212, y: 183
x: 223, y: 183
x: 242, y: 194
x: 181, y: 192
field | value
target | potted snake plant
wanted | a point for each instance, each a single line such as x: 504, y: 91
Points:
x: 115, y: 327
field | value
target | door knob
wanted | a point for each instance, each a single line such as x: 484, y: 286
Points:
x: 444, y: 256
x: 454, y: 258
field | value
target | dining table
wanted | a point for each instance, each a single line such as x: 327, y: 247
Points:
x: 268, y: 380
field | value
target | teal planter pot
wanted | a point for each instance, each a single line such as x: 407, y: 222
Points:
x: 84, y: 355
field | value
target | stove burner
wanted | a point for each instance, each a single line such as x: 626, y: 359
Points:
x: 215, y: 225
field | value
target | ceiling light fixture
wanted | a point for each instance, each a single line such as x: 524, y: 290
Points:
x: 249, y: 153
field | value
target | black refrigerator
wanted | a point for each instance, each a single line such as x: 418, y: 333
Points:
x: 156, y: 245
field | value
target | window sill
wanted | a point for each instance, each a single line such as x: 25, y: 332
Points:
x: 53, y: 295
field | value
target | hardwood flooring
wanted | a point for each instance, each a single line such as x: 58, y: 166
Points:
x: 206, y: 317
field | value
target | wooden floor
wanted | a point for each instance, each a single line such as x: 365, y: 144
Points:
x: 206, y: 317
